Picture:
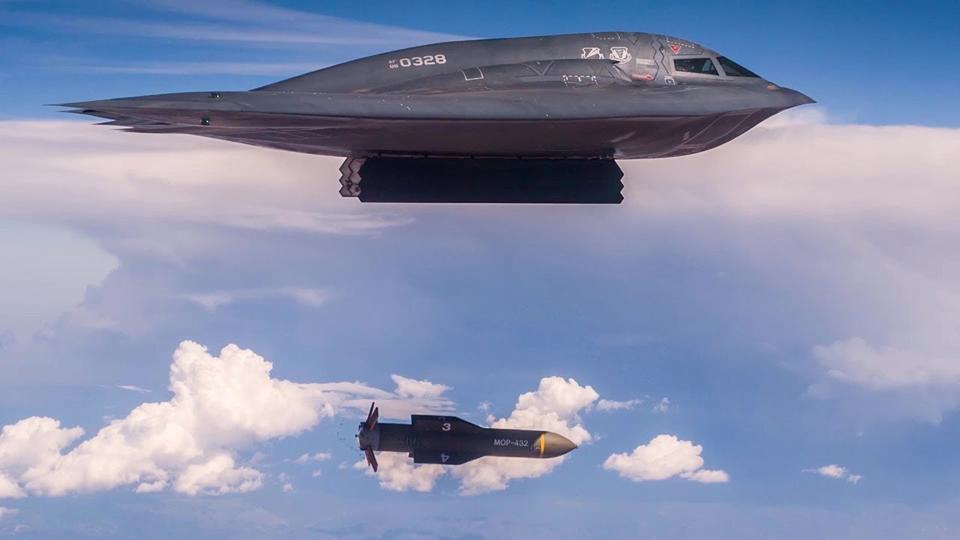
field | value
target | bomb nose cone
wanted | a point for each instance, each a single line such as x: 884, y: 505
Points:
x: 555, y: 445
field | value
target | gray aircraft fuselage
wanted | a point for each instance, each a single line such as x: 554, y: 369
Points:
x: 614, y: 95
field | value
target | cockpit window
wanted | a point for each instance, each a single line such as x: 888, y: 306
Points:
x: 703, y: 66
x: 733, y: 69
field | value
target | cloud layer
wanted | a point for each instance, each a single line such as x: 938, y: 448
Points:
x: 857, y: 223
x: 856, y: 185
x: 178, y: 181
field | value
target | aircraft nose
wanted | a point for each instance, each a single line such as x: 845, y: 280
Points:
x: 556, y: 445
x: 792, y: 97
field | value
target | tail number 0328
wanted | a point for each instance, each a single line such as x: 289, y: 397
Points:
x: 417, y: 61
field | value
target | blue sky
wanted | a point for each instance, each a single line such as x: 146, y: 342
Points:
x: 793, y: 294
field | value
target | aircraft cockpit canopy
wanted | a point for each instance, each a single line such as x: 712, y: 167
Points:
x: 702, y: 66
x: 711, y: 66
x: 733, y: 69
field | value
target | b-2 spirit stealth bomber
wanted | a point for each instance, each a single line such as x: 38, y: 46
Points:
x: 599, y: 96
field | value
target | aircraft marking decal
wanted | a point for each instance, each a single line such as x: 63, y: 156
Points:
x: 591, y: 52
x: 620, y: 54
x: 417, y: 61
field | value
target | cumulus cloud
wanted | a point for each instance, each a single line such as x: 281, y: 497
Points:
x: 412, y: 388
x: 555, y: 406
x: 397, y: 472
x: 220, y: 405
x: 665, y: 456
x: 27, y: 443
x: 215, y: 476
x: 836, y: 472
x: 9, y: 488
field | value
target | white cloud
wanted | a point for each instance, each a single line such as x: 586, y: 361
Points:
x: 707, y: 476
x: 850, y: 171
x: 133, y: 388
x: 7, y: 512
x: 220, y: 405
x: 410, y: 396
x: 555, y: 406
x: 832, y: 471
x: 837, y: 472
x: 9, y: 489
x: 286, y: 483
x: 665, y: 456
x: 173, y: 201
x: 662, y: 406
x: 313, y: 458
x: 129, y: 183
x: 870, y: 223
x: 611, y: 405
x: 242, y: 22
x: 217, y: 476
x: 397, y: 472
x: 29, y: 442
x: 412, y: 388
x: 305, y: 296
x: 882, y: 368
